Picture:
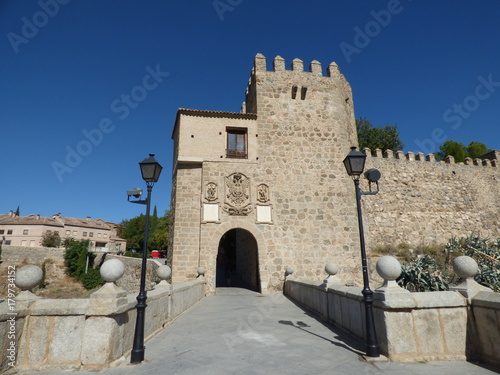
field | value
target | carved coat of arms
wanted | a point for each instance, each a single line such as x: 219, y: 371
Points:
x: 211, y: 192
x: 237, y: 194
x: 263, y: 193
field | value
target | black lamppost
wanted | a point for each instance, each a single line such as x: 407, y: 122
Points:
x: 150, y: 170
x: 355, y: 164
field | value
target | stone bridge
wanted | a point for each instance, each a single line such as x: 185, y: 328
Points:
x: 315, y: 328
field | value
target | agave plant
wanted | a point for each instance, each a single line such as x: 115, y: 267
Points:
x: 421, y: 275
x: 487, y: 255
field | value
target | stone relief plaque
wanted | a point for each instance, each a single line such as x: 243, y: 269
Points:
x: 211, y: 192
x: 237, y: 197
x: 263, y: 193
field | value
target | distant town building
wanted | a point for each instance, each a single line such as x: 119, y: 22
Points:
x: 28, y: 231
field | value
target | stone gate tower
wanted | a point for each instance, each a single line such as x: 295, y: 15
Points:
x: 256, y: 191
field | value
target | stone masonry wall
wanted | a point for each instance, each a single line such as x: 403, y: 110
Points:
x: 34, y: 255
x: 426, y: 202
x: 185, y: 238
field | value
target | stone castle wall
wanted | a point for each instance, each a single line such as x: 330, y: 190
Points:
x: 422, y: 201
x: 300, y: 127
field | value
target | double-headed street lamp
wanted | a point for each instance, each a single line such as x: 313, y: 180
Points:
x: 355, y: 164
x: 151, y: 171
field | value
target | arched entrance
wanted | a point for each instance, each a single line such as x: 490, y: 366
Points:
x: 237, y: 261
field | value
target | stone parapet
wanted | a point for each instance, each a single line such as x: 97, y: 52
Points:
x: 427, y: 326
x: 92, y: 333
x: 419, y: 327
x: 485, y: 319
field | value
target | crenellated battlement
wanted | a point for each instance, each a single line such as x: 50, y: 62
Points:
x: 297, y: 65
x: 410, y: 156
x: 297, y: 97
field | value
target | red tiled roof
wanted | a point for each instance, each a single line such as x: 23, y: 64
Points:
x: 59, y: 221
x: 31, y: 220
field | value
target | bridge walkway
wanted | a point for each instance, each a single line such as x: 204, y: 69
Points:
x: 241, y: 332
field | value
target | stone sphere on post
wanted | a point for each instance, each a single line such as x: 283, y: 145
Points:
x: 28, y: 277
x: 389, y: 269
x: 289, y: 270
x: 465, y: 266
x: 164, y: 272
x: 112, y: 270
x: 201, y: 271
x: 331, y: 269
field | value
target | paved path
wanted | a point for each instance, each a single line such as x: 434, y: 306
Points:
x: 241, y: 332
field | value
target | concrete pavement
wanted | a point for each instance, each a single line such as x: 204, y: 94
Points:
x: 242, y: 332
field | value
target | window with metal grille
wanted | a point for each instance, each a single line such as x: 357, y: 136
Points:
x: 236, y: 143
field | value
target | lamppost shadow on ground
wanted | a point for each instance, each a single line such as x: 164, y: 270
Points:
x: 341, y: 338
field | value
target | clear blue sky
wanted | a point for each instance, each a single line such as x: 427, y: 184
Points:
x: 431, y: 67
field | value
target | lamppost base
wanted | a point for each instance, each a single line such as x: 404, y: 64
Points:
x: 380, y: 358
x: 137, y: 356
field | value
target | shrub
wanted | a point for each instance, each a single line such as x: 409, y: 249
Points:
x: 51, y: 239
x: 43, y: 283
x: 92, y: 279
x: 136, y: 255
x: 75, y: 257
x: 422, y: 274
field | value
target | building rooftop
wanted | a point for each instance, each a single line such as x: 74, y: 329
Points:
x: 56, y: 220
x: 205, y: 113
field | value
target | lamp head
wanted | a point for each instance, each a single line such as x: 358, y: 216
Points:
x: 354, y: 162
x: 150, y: 169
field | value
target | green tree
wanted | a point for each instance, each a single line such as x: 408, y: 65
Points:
x: 452, y: 148
x: 159, y: 239
x: 75, y: 257
x: 476, y: 149
x: 459, y: 151
x: 51, y: 239
x: 153, y: 221
x: 373, y: 137
x: 133, y: 231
